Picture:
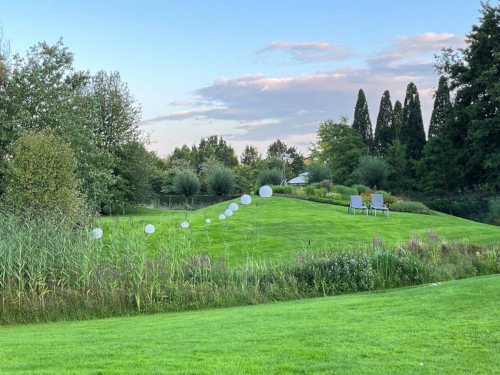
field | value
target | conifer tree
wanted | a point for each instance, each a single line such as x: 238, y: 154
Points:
x: 442, y: 105
x: 397, y: 119
x: 412, y: 133
x: 383, y: 128
x: 362, y: 121
x: 474, y: 74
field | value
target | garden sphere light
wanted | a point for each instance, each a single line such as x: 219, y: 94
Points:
x: 222, y: 216
x: 233, y: 207
x: 208, y: 221
x: 266, y: 191
x: 149, y: 229
x: 185, y: 224
x: 228, y: 212
x: 246, y: 199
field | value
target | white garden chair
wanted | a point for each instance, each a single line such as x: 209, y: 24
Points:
x: 357, y: 204
x: 378, y: 204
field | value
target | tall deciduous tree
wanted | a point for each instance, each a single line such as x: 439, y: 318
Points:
x: 250, y: 156
x: 397, y: 119
x: 340, y: 146
x: 383, y: 129
x: 116, y: 113
x: 474, y: 74
x: 274, y: 151
x: 412, y: 133
x: 442, y: 106
x: 362, y: 123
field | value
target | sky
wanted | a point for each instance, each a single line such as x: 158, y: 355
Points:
x: 251, y: 72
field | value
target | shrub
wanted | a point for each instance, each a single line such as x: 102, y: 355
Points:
x: 371, y: 171
x: 361, y: 188
x: 311, y: 187
x: 327, y: 184
x: 221, y: 181
x: 318, y: 172
x: 186, y: 183
x: 269, y: 177
x: 412, y: 207
x: 334, y: 196
x: 41, y: 177
x: 345, y: 191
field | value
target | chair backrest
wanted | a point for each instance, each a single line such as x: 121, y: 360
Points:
x: 378, y: 200
x: 356, y: 201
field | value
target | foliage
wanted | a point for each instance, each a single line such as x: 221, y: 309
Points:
x: 246, y: 177
x: 186, y: 183
x: 269, y: 177
x: 412, y: 133
x: 362, y: 123
x: 397, y: 119
x: 318, y: 172
x: 221, y: 181
x: 215, y: 147
x: 371, y: 171
x: 345, y: 191
x: 397, y: 166
x: 41, y: 177
x: 361, y: 188
x: 341, y: 147
x: 439, y: 170
x: 384, y: 132
x: 412, y: 207
x: 250, y: 156
x: 474, y: 124
x: 278, y: 147
x: 440, y: 111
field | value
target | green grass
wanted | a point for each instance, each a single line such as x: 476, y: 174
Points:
x: 451, y: 328
x: 272, y: 229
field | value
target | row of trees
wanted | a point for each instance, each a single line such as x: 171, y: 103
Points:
x: 462, y: 150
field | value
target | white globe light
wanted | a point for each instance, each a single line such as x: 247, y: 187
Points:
x: 185, y: 224
x: 266, y: 191
x: 97, y: 233
x: 233, y: 207
x: 228, y: 212
x: 208, y: 221
x: 246, y: 199
x: 149, y: 229
x: 222, y: 216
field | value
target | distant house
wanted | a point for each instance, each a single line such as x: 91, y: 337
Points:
x: 300, y: 180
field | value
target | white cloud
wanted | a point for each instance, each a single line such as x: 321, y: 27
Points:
x: 263, y: 108
x: 308, y: 52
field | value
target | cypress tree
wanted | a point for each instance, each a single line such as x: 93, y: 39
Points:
x: 362, y: 121
x: 397, y: 119
x: 383, y: 128
x: 412, y: 133
x: 442, y: 105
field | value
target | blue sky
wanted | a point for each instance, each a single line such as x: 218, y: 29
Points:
x: 251, y: 72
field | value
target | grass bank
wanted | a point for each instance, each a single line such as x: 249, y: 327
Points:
x: 272, y: 229
x: 450, y: 328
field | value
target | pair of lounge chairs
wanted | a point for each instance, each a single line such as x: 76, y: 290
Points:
x: 376, y: 204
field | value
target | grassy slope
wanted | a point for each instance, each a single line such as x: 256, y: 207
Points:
x: 273, y: 228
x: 452, y: 328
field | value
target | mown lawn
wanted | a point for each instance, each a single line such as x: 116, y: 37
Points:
x: 451, y: 328
x: 272, y: 229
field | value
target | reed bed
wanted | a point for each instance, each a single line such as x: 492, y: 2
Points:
x: 56, y: 270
